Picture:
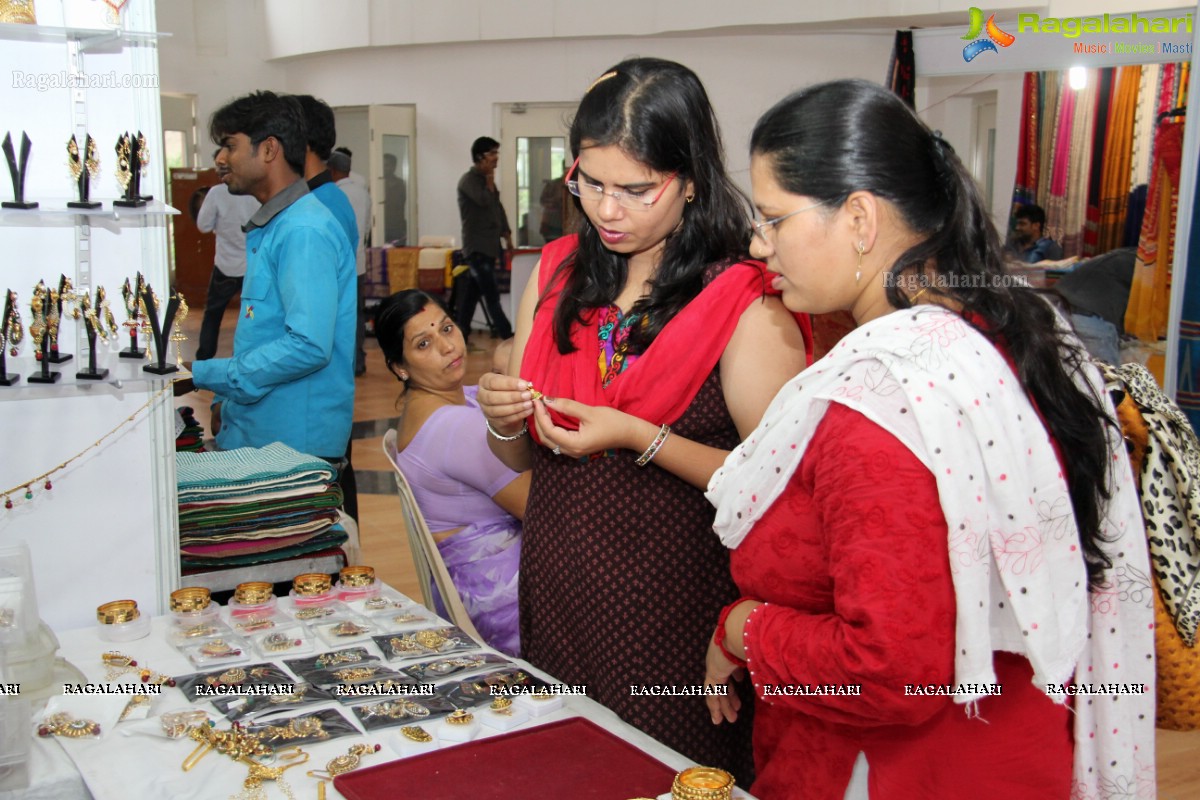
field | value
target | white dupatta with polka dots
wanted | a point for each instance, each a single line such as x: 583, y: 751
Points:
x: 942, y: 389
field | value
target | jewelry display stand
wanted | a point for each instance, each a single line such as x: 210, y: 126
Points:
x: 63, y: 293
x: 7, y: 330
x: 17, y: 169
x: 133, y: 310
x: 84, y: 166
x: 92, y: 322
x: 161, y: 342
x: 124, y: 482
x: 132, y: 160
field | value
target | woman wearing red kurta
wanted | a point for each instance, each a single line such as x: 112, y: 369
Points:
x: 934, y: 527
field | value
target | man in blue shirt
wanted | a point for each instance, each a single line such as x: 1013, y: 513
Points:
x: 291, y: 378
x: 1030, y: 245
x: 320, y: 132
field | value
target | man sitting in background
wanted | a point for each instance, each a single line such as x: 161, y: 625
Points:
x: 1029, y: 242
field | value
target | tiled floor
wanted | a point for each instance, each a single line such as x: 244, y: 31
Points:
x: 385, y: 547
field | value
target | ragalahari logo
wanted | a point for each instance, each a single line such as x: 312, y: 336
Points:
x: 994, y: 37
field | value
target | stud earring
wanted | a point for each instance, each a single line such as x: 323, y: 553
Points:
x: 861, y: 248
x: 402, y: 376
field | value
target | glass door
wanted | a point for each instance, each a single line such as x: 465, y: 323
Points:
x: 533, y: 159
x: 393, y: 174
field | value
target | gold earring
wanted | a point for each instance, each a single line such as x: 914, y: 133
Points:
x: 690, y: 198
x: 862, y: 248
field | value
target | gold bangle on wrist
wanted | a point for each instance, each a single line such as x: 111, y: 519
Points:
x: 357, y: 577
x: 118, y: 611
x: 190, y: 598
x: 253, y: 593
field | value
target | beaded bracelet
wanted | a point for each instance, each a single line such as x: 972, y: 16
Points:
x: 497, y: 435
x: 651, y: 451
x: 719, y: 635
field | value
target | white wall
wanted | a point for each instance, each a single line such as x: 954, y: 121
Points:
x: 947, y: 104
x: 455, y: 87
x: 216, y: 51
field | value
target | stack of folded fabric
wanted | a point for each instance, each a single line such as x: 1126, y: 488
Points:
x: 254, y: 505
x: 189, y: 434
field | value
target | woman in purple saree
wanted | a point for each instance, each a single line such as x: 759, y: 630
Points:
x: 472, y: 503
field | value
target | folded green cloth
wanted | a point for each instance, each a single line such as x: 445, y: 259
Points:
x: 247, y: 470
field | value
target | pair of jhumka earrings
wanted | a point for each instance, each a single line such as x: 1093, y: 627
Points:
x: 394, y: 709
x: 298, y: 728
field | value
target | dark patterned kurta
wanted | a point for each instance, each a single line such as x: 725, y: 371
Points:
x: 622, y: 580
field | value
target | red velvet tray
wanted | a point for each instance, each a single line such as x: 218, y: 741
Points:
x: 570, y: 758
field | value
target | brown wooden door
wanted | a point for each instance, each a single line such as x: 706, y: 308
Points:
x: 194, y: 251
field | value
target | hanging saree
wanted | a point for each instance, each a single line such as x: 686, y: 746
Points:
x: 1149, y: 297
x: 1118, y: 159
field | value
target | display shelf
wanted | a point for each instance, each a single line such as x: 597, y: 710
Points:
x: 90, y: 39
x: 123, y: 374
x: 54, y: 210
x: 58, y: 422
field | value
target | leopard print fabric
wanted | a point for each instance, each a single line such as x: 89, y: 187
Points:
x: 1170, y: 496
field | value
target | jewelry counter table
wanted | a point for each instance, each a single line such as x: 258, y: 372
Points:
x: 135, y: 759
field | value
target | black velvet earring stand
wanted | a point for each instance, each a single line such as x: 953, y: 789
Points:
x: 16, y: 169
x: 6, y: 378
x: 132, y: 197
x: 85, y: 178
x: 45, y: 376
x: 133, y: 351
x: 162, y: 345
x: 91, y: 373
x: 55, y: 356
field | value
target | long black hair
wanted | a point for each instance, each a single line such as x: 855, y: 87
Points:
x: 392, y: 315
x: 658, y: 113
x: 830, y: 140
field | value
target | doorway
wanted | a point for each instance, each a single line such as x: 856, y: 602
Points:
x: 533, y: 159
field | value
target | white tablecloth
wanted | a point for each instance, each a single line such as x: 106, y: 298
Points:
x: 125, y: 766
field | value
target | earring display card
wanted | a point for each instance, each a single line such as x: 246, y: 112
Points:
x: 320, y: 726
x: 346, y: 657
x: 311, y: 613
x: 483, y: 688
x: 425, y: 642
x: 445, y: 667
x: 199, y: 631
x: 404, y: 619
x: 402, y: 711
x: 344, y: 631
x: 217, y: 651
x: 237, y: 708
x: 284, y: 640
x: 257, y: 623
x: 198, y: 686
x: 366, y: 673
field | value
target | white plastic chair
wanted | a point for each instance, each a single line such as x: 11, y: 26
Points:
x: 431, y: 569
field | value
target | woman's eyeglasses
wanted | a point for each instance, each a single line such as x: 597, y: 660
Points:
x: 761, y: 226
x: 591, y: 193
